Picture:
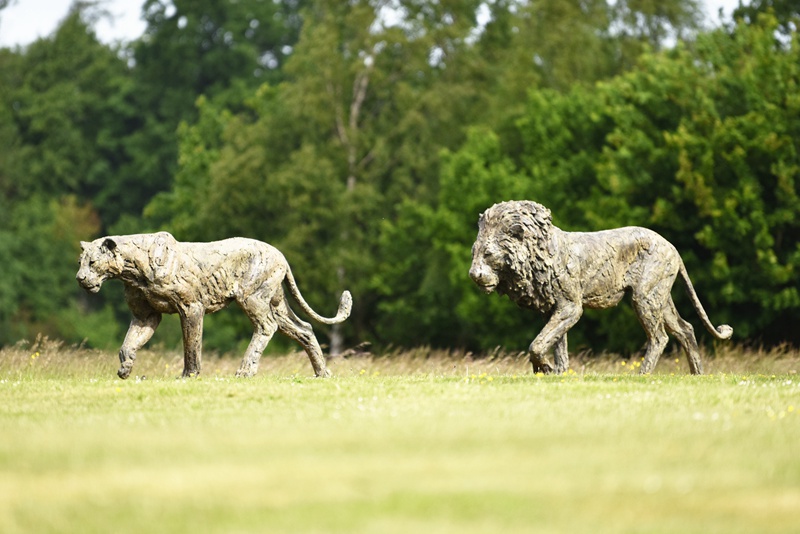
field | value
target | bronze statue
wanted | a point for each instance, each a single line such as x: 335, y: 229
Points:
x: 520, y: 253
x: 162, y: 275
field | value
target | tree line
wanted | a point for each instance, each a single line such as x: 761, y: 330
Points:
x: 363, y: 139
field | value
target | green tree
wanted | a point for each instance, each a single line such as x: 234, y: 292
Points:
x: 426, y: 294
x: 329, y: 162
x: 785, y: 11
x: 557, y: 43
x: 67, y: 99
x: 39, y: 250
x: 558, y: 47
x: 213, y: 48
x: 698, y: 143
x: 322, y: 157
x: 64, y: 112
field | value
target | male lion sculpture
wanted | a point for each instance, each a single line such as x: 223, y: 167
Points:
x: 520, y: 253
x: 162, y: 275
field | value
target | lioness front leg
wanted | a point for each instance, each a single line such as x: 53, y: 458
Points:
x: 192, y: 327
x: 139, y: 332
x: 561, y: 320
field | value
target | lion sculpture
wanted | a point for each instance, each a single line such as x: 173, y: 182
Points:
x: 520, y: 253
x: 162, y: 275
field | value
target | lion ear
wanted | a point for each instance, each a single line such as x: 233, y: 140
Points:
x: 110, y: 244
x: 517, y: 230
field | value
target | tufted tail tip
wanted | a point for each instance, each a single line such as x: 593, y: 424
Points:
x: 345, y: 306
x: 724, y: 331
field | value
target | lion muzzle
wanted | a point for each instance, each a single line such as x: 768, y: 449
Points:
x: 484, y: 277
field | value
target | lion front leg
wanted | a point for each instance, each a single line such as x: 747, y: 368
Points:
x: 561, y: 355
x: 539, y: 362
x: 554, y: 334
x: 192, y: 327
x: 139, y: 332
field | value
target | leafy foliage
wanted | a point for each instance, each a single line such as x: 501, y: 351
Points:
x: 697, y: 143
x: 363, y: 138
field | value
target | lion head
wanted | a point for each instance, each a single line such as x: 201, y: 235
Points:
x: 99, y: 261
x: 514, y: 253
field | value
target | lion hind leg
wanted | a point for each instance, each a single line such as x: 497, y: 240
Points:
x: 301, y: 331
x: 684, y: 333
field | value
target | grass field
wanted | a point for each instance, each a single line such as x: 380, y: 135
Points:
x: 418, y: 441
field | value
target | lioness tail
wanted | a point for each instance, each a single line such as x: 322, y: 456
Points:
x: 345, y: 302
x: 723, y: 331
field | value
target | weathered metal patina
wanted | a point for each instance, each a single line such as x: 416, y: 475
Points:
x: 162, y: 275
x: 521, y: 254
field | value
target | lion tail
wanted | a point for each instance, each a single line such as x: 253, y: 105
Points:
x: 345, y: 302
x: 723, y: 331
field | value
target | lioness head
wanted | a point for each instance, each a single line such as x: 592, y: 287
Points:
x: 506, y: 232
x: 99, y: 262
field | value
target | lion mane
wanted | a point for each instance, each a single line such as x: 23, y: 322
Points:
x: 528, y: 265
x: 520, y: 253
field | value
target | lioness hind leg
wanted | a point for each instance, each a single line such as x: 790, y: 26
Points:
x: 192, y: 327
x: 259, y: 311
x: 259, y: 342
x: 652, y: 320
x: 684, y: 333
x: 301, y: 331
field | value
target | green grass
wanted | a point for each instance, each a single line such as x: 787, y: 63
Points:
x: 419, y: 441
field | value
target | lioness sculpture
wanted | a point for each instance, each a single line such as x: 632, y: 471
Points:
x: 162, y: 275
x: 520, y: 253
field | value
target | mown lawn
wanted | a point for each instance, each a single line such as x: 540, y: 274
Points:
x: 415, y: 442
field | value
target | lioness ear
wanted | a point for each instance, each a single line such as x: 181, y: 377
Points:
x: 110, y: 244
x: 517, y: 230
